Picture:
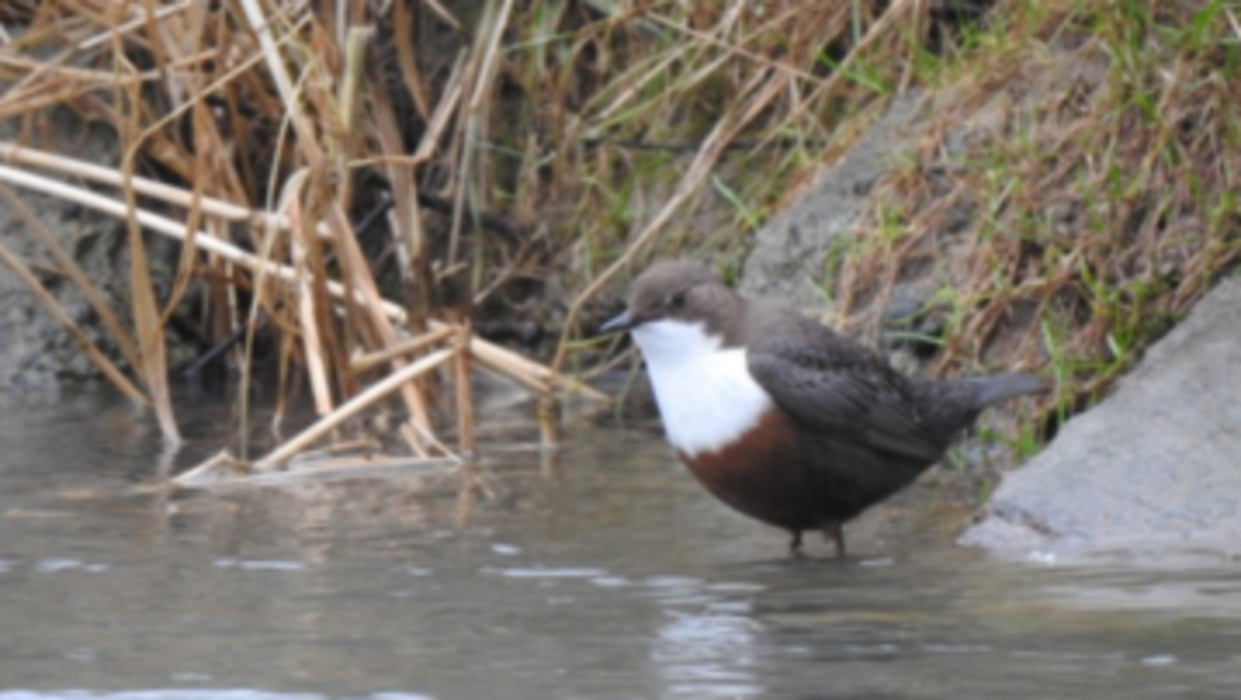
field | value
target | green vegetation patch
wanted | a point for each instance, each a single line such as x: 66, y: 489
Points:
x: 1072, y: 192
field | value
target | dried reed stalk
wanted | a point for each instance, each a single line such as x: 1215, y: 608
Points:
x: 148, y: 321
x: 351, y: 408
x: 372, y: 360
x: 463, y: 376
x: 494, y: 355
x: 505, y: 362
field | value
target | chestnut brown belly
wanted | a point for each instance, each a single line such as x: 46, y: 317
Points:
x: 784, y: 476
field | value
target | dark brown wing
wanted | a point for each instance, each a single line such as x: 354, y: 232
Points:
x: 839, y: 388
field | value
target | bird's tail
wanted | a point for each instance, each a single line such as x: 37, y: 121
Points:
x: 1002, y: 387
x: 947, y: 407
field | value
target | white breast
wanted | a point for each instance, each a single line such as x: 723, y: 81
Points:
x: 706, y: 395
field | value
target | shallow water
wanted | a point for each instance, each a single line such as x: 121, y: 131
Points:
x: 601, y: 572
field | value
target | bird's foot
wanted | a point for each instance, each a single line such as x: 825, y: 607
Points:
x: 834, y: 534
x: 795, y: 546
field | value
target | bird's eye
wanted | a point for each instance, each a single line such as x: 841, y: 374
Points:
x: 676, y: 300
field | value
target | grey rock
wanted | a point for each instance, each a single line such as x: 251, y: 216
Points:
x: 1157, y: 462
x: 791, y: 250
x: 36, y: 352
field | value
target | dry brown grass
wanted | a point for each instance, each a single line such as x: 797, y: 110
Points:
x: 261, y: 124
x: 320, y: 160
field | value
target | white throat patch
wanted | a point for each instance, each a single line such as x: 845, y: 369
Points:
x: 706, y: 395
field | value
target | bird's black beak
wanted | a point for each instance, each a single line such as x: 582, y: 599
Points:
x: 620, y: 322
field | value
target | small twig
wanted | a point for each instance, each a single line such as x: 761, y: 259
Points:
x: 121, y: 29
x: 312, y: 345
x: 372, y: 360
x: 214, y: 352
x: 465, y: 394
x: 549, y: 422
x: 356, y: 44
x: 195, y: 476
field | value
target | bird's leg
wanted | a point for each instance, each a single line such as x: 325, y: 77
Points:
x: 835, y: 534
x: 795, y: 544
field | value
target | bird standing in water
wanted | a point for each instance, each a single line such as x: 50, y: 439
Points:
x: 782, y: 418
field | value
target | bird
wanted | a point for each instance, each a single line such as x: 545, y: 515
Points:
x: 783, y: 418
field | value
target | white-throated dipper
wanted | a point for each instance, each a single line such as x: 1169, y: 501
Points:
x: 782, y: 418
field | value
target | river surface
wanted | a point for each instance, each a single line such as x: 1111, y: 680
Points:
x: 601, y: 571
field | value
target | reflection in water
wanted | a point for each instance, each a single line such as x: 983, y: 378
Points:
x: 705, y: 648
x: 609, y: 576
